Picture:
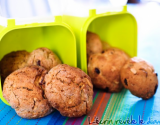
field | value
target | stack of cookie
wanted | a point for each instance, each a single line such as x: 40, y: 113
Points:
x: 19, y: 59
x: 36, y: 83
x: 112, y: 69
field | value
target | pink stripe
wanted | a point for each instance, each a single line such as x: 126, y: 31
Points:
x: 74, y: 121
x: 144, y: 110
x: 38, y: 121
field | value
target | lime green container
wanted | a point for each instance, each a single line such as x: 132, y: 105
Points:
x: 56, y: 36
x: 119, y: 29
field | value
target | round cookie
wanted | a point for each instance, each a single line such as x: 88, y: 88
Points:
x: 139, y: 77
x: 24, y: 91
x: 104, y: 69
x: 94, y: 44
x: 105, y: 45
x: 13, y: 61
x: 43, y: 57
x: 69, y: 90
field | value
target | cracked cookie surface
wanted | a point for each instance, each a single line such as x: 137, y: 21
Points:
x: 69, y: 90
x: 139, y: 77
x: 104, y: 69
x: 94, y: 44
x: 24, y: 91
x: 13, y: 61
x: 43, y: 57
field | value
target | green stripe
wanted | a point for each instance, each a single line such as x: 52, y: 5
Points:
x: 65, y: 121
x: 132, y: 109
x: 95, y: 97
x: 107, y: 106
x: 113, y: 107
x: 119, y: 104
x: 115, y: 99
x: 92, y: 106
x: 111, y: 102
x: 128, y: 111
x: 27, y: 122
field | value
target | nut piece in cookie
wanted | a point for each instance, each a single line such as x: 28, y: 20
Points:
x: 139, y: 77
x: 69, y: 90
x: 94, y: 44
x: 104, y: 69
x: 24, y: 91
x: 43, y: 57
x: 13, y: 61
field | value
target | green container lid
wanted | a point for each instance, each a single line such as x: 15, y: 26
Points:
x: 56, y: 36
x: 119, y: 29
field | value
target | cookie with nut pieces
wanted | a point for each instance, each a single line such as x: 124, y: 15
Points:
x: 104, y: 69
x: 43, y: 57
x: 69, y: 90
x: 139, y: 77
x: 24, y: 91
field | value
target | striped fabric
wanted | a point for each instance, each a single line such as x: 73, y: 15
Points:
x: 111, y: 109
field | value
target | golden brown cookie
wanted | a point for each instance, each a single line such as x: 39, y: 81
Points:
x: 13, y: 61
x: 104, y: 69
x: 23, y: 90
x: 43, y: 57
x: 94, y: 44
x: 139, y: 77
x: 69, y: 90
x: 105, y: 45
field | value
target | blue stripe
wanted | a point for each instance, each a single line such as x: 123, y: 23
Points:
x: 148, y: 109
x: 46, y: 119
x: 60, y: 120
x: 6, y: 115
x: 57, y: 119
x: 138, y: 110
x: 41, y: 121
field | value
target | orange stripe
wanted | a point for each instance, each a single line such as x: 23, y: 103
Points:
x: 94, y: 108
x: 98, y: 107
x: 103, y: 106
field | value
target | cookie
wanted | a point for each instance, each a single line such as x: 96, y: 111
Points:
x: 94, y: 44
x: 69, y: 90
x: 104, y: 69
x: 43, y: 57
x: 24, y: 91
x: 105, y: 45
x: 13, y: 61
x: 139, y: 77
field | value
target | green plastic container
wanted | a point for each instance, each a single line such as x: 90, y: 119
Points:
x: 119, y: 29
x: 56, y: 36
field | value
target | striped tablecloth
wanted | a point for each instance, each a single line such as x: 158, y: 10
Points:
x: 117, y: 108
x: 111, y: 109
